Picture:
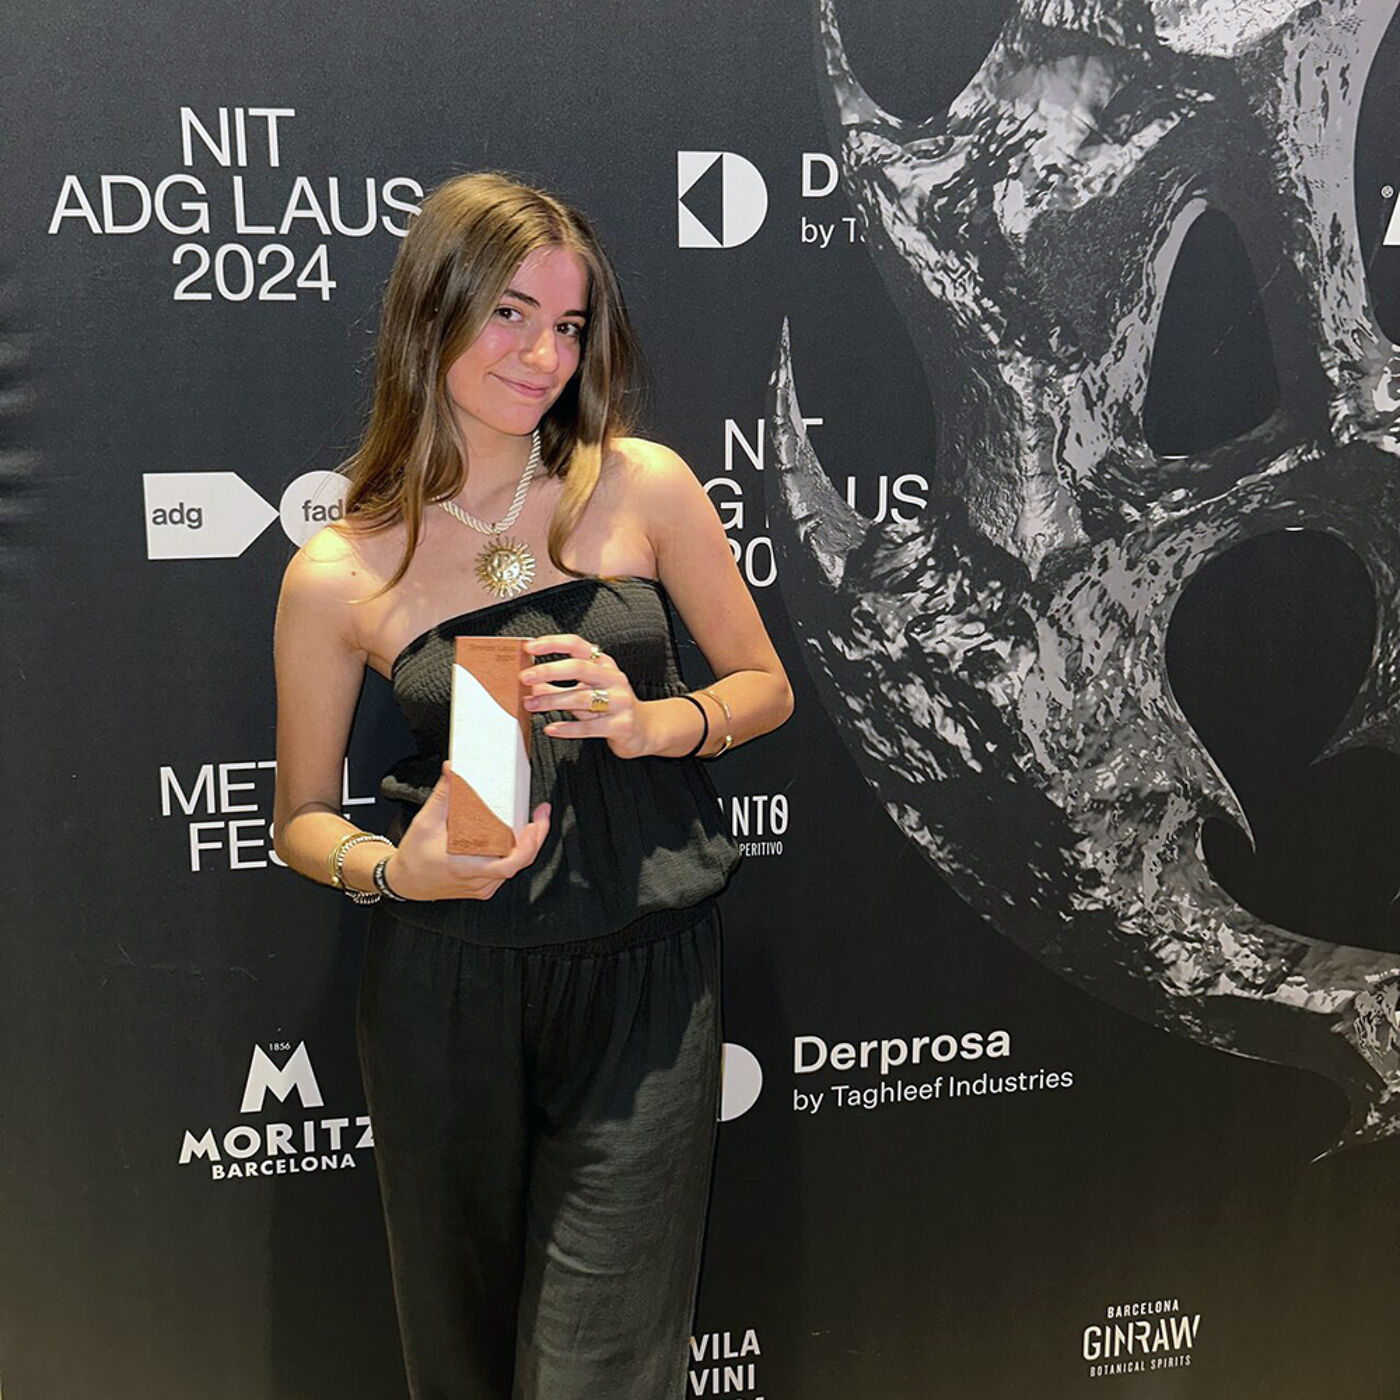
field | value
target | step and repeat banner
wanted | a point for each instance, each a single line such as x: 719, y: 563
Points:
x: 1038, y: 360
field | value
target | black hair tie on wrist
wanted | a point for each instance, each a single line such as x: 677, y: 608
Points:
x: 704, y: 733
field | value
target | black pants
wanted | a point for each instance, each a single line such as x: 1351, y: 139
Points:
x: 544, y: 1126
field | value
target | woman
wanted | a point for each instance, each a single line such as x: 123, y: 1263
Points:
x: 538, y: 1033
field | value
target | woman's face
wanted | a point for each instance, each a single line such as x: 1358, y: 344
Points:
x: 528, y: 349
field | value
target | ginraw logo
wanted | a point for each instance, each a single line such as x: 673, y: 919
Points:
x: 1149, y: 1336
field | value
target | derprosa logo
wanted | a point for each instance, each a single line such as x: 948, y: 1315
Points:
x: 721, y: 199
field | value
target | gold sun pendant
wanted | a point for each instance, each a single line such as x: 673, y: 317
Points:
x: 505, y: 567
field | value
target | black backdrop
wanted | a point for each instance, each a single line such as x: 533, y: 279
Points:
x: 157, y: 967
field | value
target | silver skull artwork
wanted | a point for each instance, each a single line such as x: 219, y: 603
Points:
x: 998, y: 667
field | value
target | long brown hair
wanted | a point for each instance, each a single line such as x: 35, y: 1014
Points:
x: 470, y: 236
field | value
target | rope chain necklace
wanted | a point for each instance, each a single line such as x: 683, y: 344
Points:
x: 505, y: 566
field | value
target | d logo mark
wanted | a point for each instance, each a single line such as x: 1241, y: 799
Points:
x: 743, y: 1082
x: 721, y: 200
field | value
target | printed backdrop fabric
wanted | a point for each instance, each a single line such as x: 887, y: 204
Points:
x: 1037, y: 359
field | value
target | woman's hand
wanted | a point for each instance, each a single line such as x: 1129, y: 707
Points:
x: 422, y: 868
x: 601, y: 702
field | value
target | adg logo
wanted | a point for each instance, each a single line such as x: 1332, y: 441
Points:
x: 217, y: 515
x: 721, y: 199
x: 276, y: 1149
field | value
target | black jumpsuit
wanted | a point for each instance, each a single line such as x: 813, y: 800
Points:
x: 542, y: 1069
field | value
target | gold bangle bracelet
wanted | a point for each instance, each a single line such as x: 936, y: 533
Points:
x: 337, y: 861
x: 719, y: 700
x: 333, y: 860
x: 728, y: 719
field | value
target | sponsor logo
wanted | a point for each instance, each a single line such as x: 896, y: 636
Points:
x: 291, y: 1146
x: 725, y: 1363
x: 313, y: 501
x: 217, y: 515
x: 202, y: 515
x: 758, y: 821
x: 721, y: 199
x: 743, y: 1082
x: 916, y: 1058
x: 296, y: 1074
x: 1139, y: 1337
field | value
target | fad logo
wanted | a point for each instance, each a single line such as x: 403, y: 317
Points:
x: 217, y: 515
x: 721, y: 199
x: 312, y: 501
x: 279, y: 1148
x: 1139, y: 1337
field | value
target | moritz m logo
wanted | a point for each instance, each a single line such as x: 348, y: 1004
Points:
x: 295, y: 1074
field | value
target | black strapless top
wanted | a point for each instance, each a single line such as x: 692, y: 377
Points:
x: 627, y: 837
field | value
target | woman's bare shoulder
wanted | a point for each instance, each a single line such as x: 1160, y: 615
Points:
x: 344, y: 561
x: 645, y: 472
x: 640, y: 457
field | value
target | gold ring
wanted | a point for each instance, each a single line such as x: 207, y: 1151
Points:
x: 598, y: 702
x: 595, y: 653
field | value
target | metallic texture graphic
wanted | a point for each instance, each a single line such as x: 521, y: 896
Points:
x: 998, y: 667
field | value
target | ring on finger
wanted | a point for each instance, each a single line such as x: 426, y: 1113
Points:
x: 595, y: 652
x: 598, y: 701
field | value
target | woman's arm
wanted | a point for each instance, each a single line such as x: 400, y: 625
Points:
x: 320, y: 670
x: 699, y: 573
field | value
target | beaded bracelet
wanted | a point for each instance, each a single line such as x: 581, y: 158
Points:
x: 337, y: 864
